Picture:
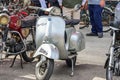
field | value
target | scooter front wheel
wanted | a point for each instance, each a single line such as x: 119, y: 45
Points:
x: 44, y: 70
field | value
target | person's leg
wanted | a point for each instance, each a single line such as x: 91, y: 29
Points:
x: 92, y: 21
x: 98, y: 20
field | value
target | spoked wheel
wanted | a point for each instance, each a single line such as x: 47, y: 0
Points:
x: 84, y: 17
x: 111, y: 74
x: 69, y: 62
x: 28, y: 56
x: 107, y: 18
x: 44, y: 70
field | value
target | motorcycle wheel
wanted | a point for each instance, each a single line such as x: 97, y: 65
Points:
x: 110, y: 75
x: 27, y: 56
x: 69, y: 62
x: 44, y: 70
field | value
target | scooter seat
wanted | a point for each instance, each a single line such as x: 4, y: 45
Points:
x: 28, y: 22
x: 72, y: 22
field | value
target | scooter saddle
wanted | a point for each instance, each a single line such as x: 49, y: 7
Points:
x: 28, y: 22
x: 72, y: 22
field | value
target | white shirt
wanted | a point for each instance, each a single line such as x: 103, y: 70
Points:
x: 43, y: 3
x: 83, y: 2
x: 60, y: 2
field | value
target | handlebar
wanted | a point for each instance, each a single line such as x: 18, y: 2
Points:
x: 43, y: 9
x: 33, y: 7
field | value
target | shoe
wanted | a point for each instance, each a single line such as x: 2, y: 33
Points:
x: 100, y: 35
x: 91, y: 34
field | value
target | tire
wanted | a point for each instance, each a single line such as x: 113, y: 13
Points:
x: 108, y: 19
x: 48, y: 70
x: 69, y: 62
x: 111, y: 33
x: 26, y: 57
x: 84, y: 17
x: 108, y: 74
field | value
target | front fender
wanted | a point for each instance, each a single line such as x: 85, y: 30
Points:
x: 48, y: 50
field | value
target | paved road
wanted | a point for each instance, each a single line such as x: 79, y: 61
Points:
x: 89, y: 65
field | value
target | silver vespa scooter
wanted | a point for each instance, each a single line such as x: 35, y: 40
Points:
x: 56, y: 39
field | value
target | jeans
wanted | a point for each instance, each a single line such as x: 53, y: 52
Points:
x: 95, y: 12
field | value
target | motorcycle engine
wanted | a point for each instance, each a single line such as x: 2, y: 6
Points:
x: 14, y: 44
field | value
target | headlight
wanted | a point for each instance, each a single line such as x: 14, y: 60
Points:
x: 4, y: 19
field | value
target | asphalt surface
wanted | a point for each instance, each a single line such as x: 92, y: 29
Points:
x: 89, y: 66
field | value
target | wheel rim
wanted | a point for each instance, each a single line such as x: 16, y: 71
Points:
x: 111, y: 75
x: 43, y: 68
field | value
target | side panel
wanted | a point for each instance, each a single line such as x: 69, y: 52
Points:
x: 48, y: 50
x: 56, y: 35
x: 77, y: 41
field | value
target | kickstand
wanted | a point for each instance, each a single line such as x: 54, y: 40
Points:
x: 21, y: 61
x: 13, y: 61
x: 72, y: 73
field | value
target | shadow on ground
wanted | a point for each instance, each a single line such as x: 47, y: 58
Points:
x: 61, y: 71
x: 82, y: 72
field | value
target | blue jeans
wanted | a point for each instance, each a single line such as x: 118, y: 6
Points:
x: 95, y: 13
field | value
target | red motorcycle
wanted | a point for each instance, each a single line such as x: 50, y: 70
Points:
x: 18, y: 34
